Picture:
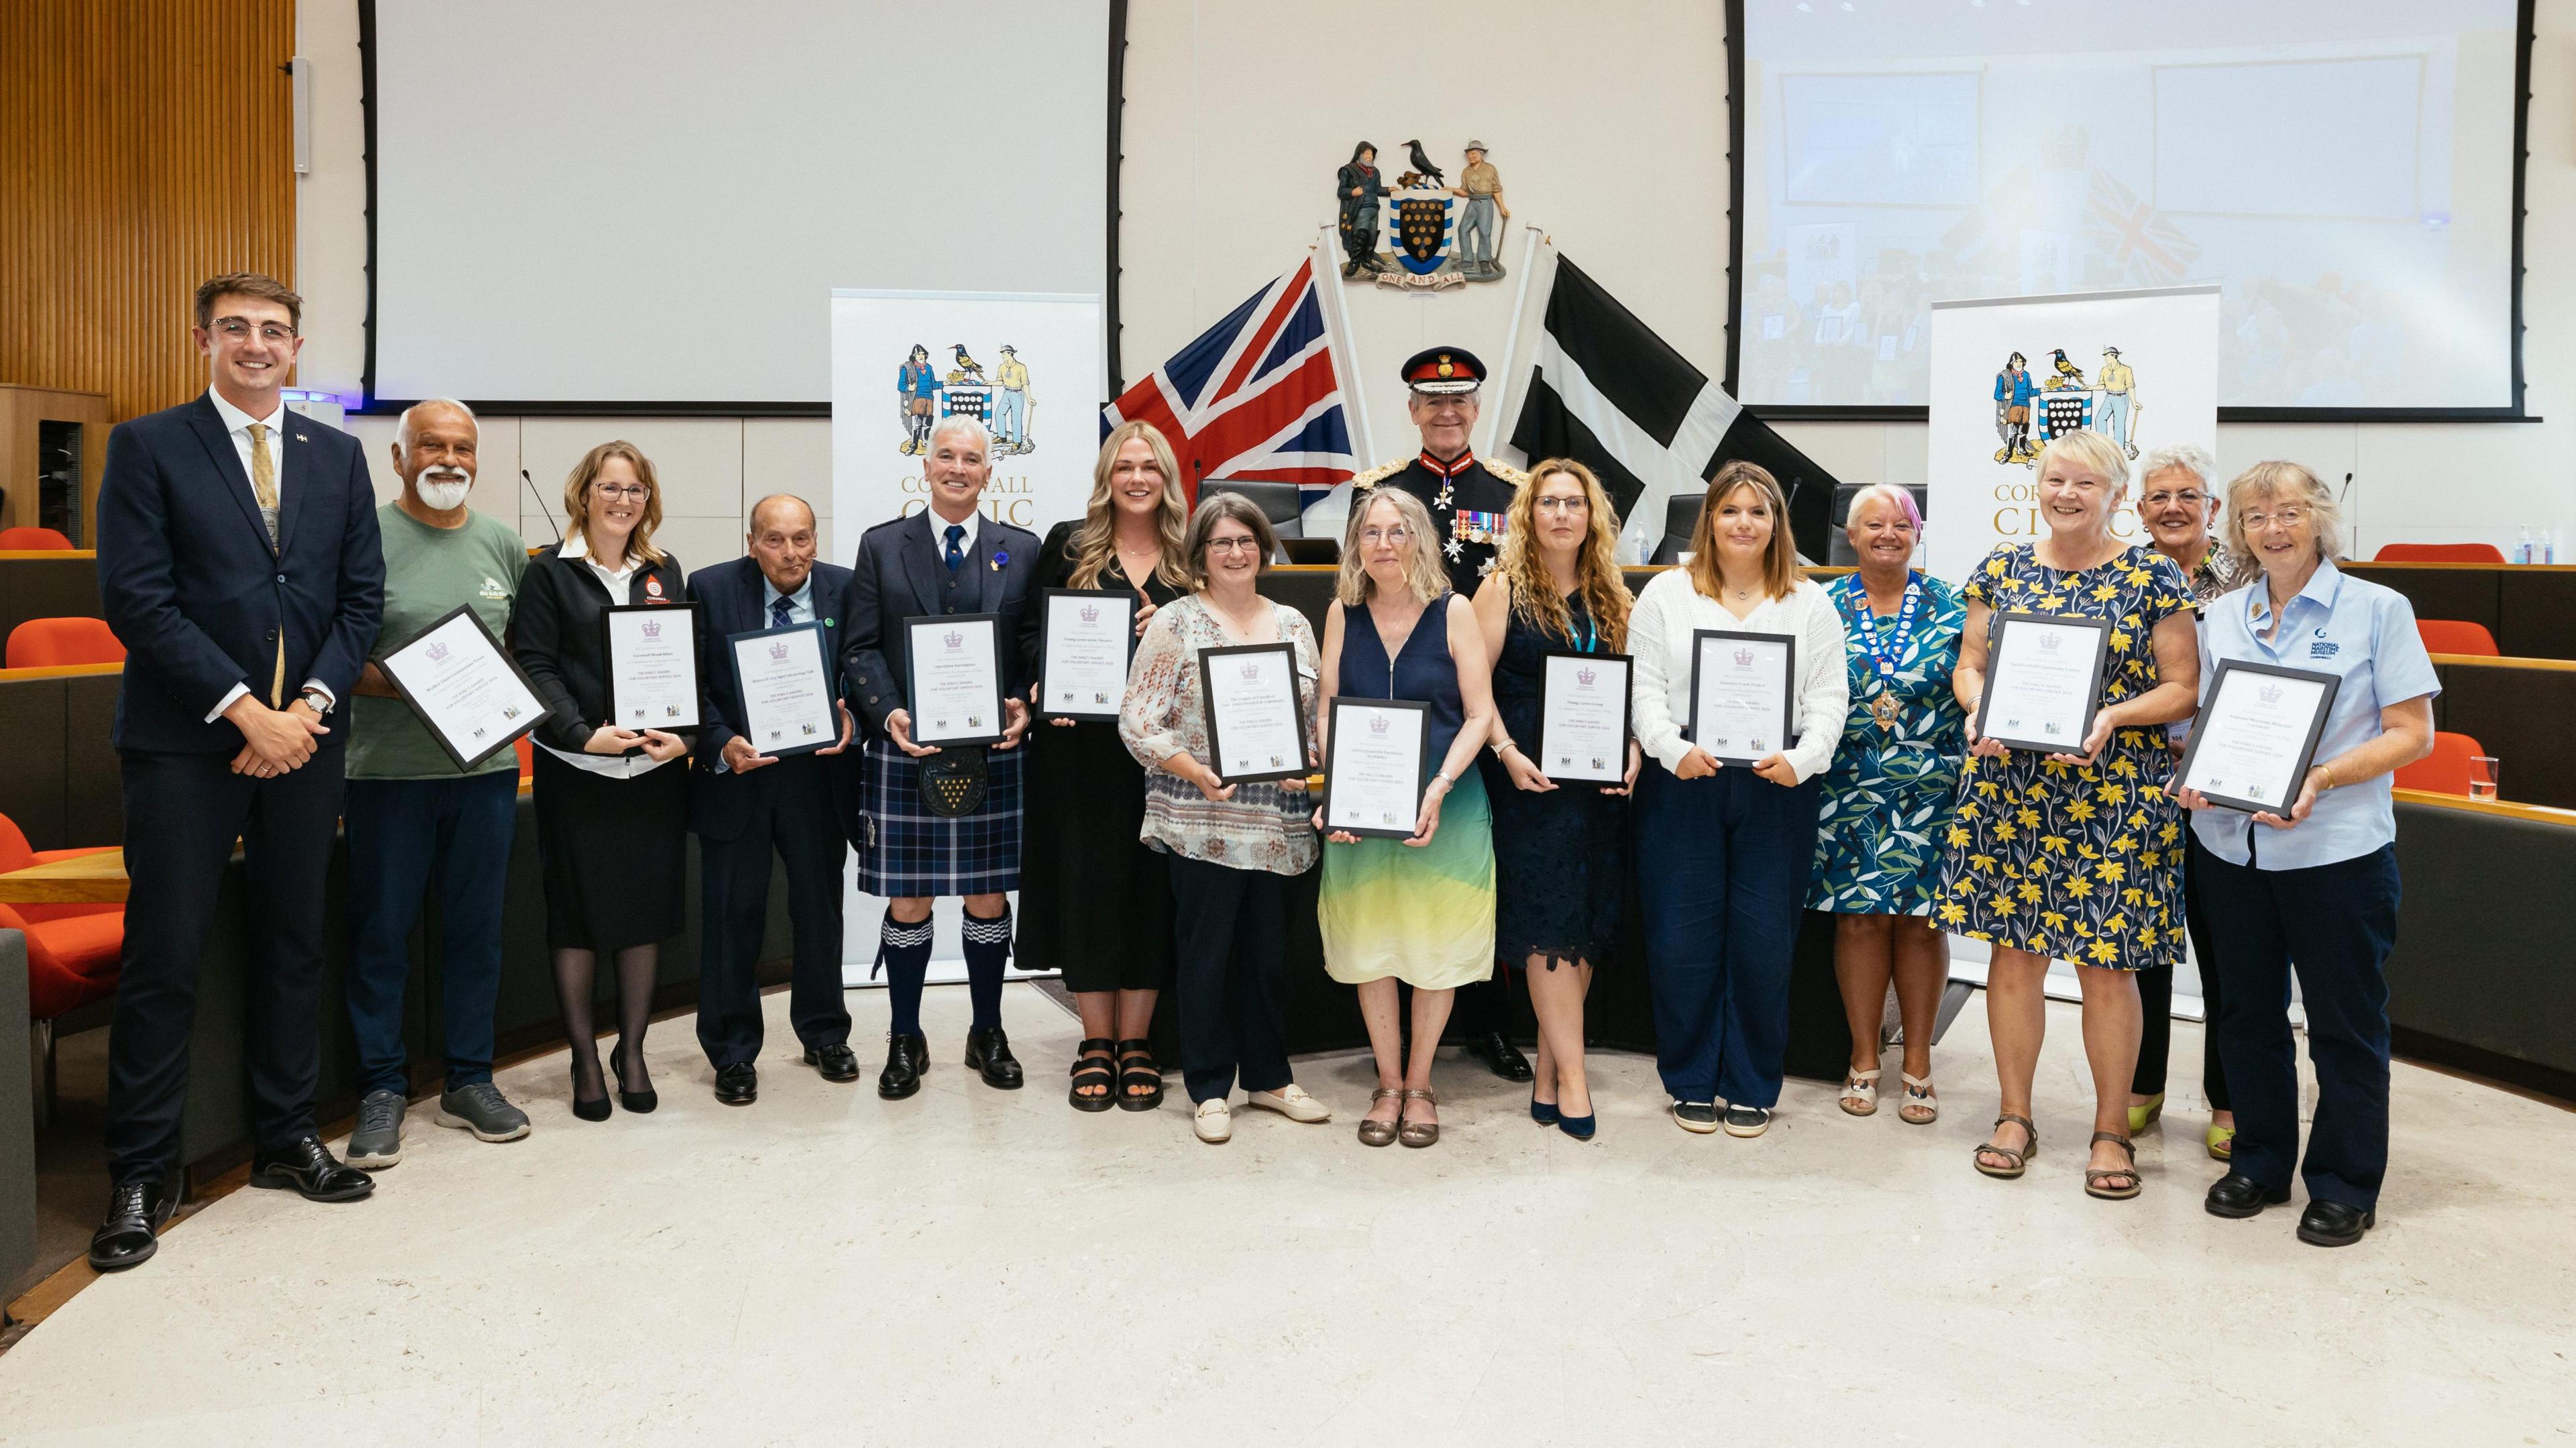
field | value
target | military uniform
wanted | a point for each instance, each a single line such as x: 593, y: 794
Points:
x: 1470, y: 502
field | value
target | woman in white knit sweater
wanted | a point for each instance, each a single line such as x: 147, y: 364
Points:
x: 1724, y: 848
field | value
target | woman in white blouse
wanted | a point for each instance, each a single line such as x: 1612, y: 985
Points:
x: 1724, y: 849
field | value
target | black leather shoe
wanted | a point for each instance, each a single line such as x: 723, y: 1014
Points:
x: 907, y: 1056
x: 835, y: 1063
x: 738, y: 1084
x: 310, y: 1170
x: 129, y: 1235
x: 1500, y: 1056
x: 990, y: 1053
x: 2238, y: 1195
x: 2332, y: 1224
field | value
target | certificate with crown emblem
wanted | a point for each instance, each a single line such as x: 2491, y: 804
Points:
x: 1583, y: 719
x: 2043, y: 681
x: 1743, y: 692
x: 783, y: 676
x: 1090, y: 634
x: 1380, y: 761
x: 652, y: 656
x: 1256, y: 722
x: 953, y: 664
x: 2256, y: 736
x: 464, y: 686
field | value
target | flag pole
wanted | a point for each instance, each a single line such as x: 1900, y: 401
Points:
x: 1355, y: 392
x: 1512, y: 338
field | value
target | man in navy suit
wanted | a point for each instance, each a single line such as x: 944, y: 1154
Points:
x: 745, y: 805
x: 238, y: 562
x: 947, y: 560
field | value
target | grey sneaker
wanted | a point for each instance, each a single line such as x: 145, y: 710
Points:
x: 377, y: 1143
x: 483, y: 1110
x: 1698, y: 1116
x: 1747, y: 1120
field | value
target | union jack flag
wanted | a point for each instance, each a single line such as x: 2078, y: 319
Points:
x: 1254, y: 399
x: 2141, y: 243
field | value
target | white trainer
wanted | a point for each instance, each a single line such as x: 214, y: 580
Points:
x: 1214, y: 1122
x: 1292, y: 1102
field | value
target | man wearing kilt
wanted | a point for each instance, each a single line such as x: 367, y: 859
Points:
x: 959, y: 833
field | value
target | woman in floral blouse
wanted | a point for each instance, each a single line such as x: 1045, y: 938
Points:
x: 2077, y: 855
x: 1233, y: 847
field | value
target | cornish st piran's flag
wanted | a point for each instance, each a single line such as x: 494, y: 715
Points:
x: 1609, y: 393
x: 1254, y: 399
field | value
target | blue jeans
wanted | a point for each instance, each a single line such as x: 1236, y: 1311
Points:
x: 403, y: 835
x: 1722, y: 865
x: 1011, y: 414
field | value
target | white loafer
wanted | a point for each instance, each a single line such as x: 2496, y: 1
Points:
x: 1292, y: 1102
x: 1214, y: 1122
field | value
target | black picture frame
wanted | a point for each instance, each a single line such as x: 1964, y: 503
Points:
x: 1700, y: 638
x: 1627, y: 718
x: 1333, y: 751
x: 2101, y: 630
x: 676, y: 608
x: 742, y: 696
x: 1207, y: 710
x: 2307, y: 757
x: 465, y: 764
x: 1124, y: 598
x: 912, y: 675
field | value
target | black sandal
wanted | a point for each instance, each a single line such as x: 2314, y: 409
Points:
x: 1091, y: 1067
x: 1131, y: 1076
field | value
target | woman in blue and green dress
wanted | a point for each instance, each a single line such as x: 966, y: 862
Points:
x: 1887, y: 797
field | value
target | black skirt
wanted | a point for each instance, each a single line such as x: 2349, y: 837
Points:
x: 1095, y: 902
x: 614, y: 852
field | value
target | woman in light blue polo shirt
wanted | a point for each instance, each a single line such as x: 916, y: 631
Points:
x: 2316, y: 891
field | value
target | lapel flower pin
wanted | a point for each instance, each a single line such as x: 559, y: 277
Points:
x: 1000, y: 557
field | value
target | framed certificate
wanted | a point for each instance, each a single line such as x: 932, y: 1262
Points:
x: 2043, y: 681
x: 1742, y: 693
x: 1089, y: 636
x: 955, y: 683
x: 652, y: 654
x: 1583, y: 718
x: 1255, y: 723
x: 784, y: 679
x: 1380, y: 759
x: 2255, y: 738
x: 464, y: 686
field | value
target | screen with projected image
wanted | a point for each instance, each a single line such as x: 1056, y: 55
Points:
x: 2343, y: 169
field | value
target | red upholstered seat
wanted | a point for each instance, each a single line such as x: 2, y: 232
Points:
x: 51, y: 643
x: 527, y: 758
x: 2446, y: 769
x: 2456, y: 636
x: 2438, y: 553
x: 33, y: 540
x: 72, y: 950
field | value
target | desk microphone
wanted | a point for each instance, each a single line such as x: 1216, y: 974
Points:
x: 531, y: 485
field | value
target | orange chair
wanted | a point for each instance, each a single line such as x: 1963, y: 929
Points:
x: 527, y: 758
x: 51, y: 643
x: 72, y: 950
x: 2446, y: 769
x: 33, y: 540
x: 2438, y: 553
x: 2456, y: 636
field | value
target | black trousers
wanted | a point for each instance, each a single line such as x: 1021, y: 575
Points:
x: 794, y: 819
x: 2155, y: 995
x: 182, y: 814
x: 2334, y: 924
x: 1230, y: 927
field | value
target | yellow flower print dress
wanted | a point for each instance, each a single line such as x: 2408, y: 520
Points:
x: 2073, y: 863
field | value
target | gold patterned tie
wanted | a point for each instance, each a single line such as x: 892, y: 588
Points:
x: 263, y: 486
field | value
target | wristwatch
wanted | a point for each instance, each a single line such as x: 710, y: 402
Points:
x: 317, y: 701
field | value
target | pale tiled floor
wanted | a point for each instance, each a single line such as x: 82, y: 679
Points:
x: 973, y: 1266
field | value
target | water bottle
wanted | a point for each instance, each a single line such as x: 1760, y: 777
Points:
x: 2549, y: 546
x: 2522, y: 550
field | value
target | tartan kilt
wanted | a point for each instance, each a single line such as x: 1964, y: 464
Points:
x: 905, y: 850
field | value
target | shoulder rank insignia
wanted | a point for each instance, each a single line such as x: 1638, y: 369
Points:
x: 1511, y: 475
x: 1380, y: 473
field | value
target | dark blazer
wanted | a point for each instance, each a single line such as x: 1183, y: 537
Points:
x: 557, y: 637
x: 898, y: 574
x: 732, y: 598
x: 190, y: 584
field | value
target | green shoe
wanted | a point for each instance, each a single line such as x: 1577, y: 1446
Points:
x: 2221, y: 1141
x: 2140, y: 1117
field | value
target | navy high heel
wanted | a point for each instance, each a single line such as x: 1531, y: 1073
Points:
x: 1542, y: 1112
x: 1578, y: 1127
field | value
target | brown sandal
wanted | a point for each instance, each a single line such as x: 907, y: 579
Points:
x: 2095, y: 1176
x: 1419, y: 1133
x: 1380, y: 1133
x: 2020, y: 1159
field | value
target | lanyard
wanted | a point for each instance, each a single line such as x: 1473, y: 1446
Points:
x: 1888, y: 655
